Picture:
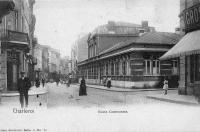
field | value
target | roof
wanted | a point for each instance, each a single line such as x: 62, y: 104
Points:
x: 188, y: 45
x: 105, y: 29
x: 148, y: 38
x: 159, y: 38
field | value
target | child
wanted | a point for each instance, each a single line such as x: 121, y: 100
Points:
x: 165, y: 86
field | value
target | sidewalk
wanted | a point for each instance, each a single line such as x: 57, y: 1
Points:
x: 33, y: 91
x: 170, y: 97
x: 116, y: 89
x: 37, y: 98
x: 175, y: 98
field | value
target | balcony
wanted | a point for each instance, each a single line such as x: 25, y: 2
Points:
x: 14, y: 36
x: 13, y: 39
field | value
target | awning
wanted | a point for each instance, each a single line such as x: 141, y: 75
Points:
x: 188, y: 45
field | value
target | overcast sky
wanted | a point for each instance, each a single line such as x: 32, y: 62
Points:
x: 59, y: 22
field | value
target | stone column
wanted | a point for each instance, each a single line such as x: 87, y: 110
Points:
x: 182, y: 81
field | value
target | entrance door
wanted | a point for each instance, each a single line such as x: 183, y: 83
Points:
x: 12, y: 72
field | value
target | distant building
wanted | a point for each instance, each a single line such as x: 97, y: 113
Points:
x: 54, y: 62
x: 38, y: 55
x: 64, y: 67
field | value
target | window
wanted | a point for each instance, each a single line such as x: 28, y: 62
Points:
x: 106, y: 68
x: 116, y: 68
x: 124, y: 68
x: 22, y: 24
x: 174, y: 67
x: 197, y: 67
x: 112, y: 68
x: 152, y: 67
x: 16, y: 20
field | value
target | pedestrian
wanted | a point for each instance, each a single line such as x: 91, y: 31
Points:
x: 23, y: 86
x: 109, y: 83
x: 165, y: 85
x: 57, y: 80
x: 82, y: 90
x: 69, y: 82
x: 37, y: 82
x: 43, y: 81
x: 104, y: 81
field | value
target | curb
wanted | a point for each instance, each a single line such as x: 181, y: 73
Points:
x: 173, y: 101
x: 134, y: 90
x: 30, y: 93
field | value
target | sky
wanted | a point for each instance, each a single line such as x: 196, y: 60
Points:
x: 60, y: 22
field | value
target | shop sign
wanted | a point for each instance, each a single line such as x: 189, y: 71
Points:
x: 192, y: 18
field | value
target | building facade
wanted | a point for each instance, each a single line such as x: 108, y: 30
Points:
x: 187, y: 51
x: 38, y: 52
x: 54, y: 63
x: 15, y: 43
x: 130, y: 60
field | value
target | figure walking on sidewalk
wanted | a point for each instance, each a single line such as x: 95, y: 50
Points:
x: 24, y: 85
x: 43, y: 81
x: 165, y: 85
x: 109, y: 82
x: 82, y: 90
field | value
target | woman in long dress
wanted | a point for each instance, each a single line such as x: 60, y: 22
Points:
x: 165, y: 86
x: 82, y: 90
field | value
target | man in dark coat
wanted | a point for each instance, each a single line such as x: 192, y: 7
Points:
x: 43, y: 82
x: 82, y: 90
x: 24, y: 85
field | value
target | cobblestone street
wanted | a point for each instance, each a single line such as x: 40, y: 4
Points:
x: 66, y: 111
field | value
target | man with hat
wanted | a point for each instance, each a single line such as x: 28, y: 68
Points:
x: 24, y: 85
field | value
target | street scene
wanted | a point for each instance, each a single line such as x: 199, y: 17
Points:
x: 97, y: 65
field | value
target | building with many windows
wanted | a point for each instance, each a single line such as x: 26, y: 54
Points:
x: 131, y: 60
x: 187, y: 50
x: 16, y: 32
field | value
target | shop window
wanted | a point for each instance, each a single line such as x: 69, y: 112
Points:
x: 156, y: 67
x: 197, y: 68
x: 112, y: 68
x: 117, y: 68
x: 192, y: 68
x: 106, y: 68
x: 174, y: 67
x: 152, y: 67
x: 124, y: 68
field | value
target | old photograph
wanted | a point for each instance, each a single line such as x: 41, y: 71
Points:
x: 99, y: 65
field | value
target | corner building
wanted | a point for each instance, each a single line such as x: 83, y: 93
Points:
x: 15, y: 44
x: 187, y: 50
x: 131, y: 59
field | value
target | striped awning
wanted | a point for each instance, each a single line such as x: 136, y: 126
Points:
x: 188, y: 45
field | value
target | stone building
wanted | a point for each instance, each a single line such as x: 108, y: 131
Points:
x: 187, y: 50
x: 54, y: 63
x: 38, y: 52
x: 16, y: 31
x: 132, y: 61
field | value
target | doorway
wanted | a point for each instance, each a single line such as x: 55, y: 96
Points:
x: 12, y: 71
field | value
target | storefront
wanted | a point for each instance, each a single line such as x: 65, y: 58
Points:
x: 187, y: 50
